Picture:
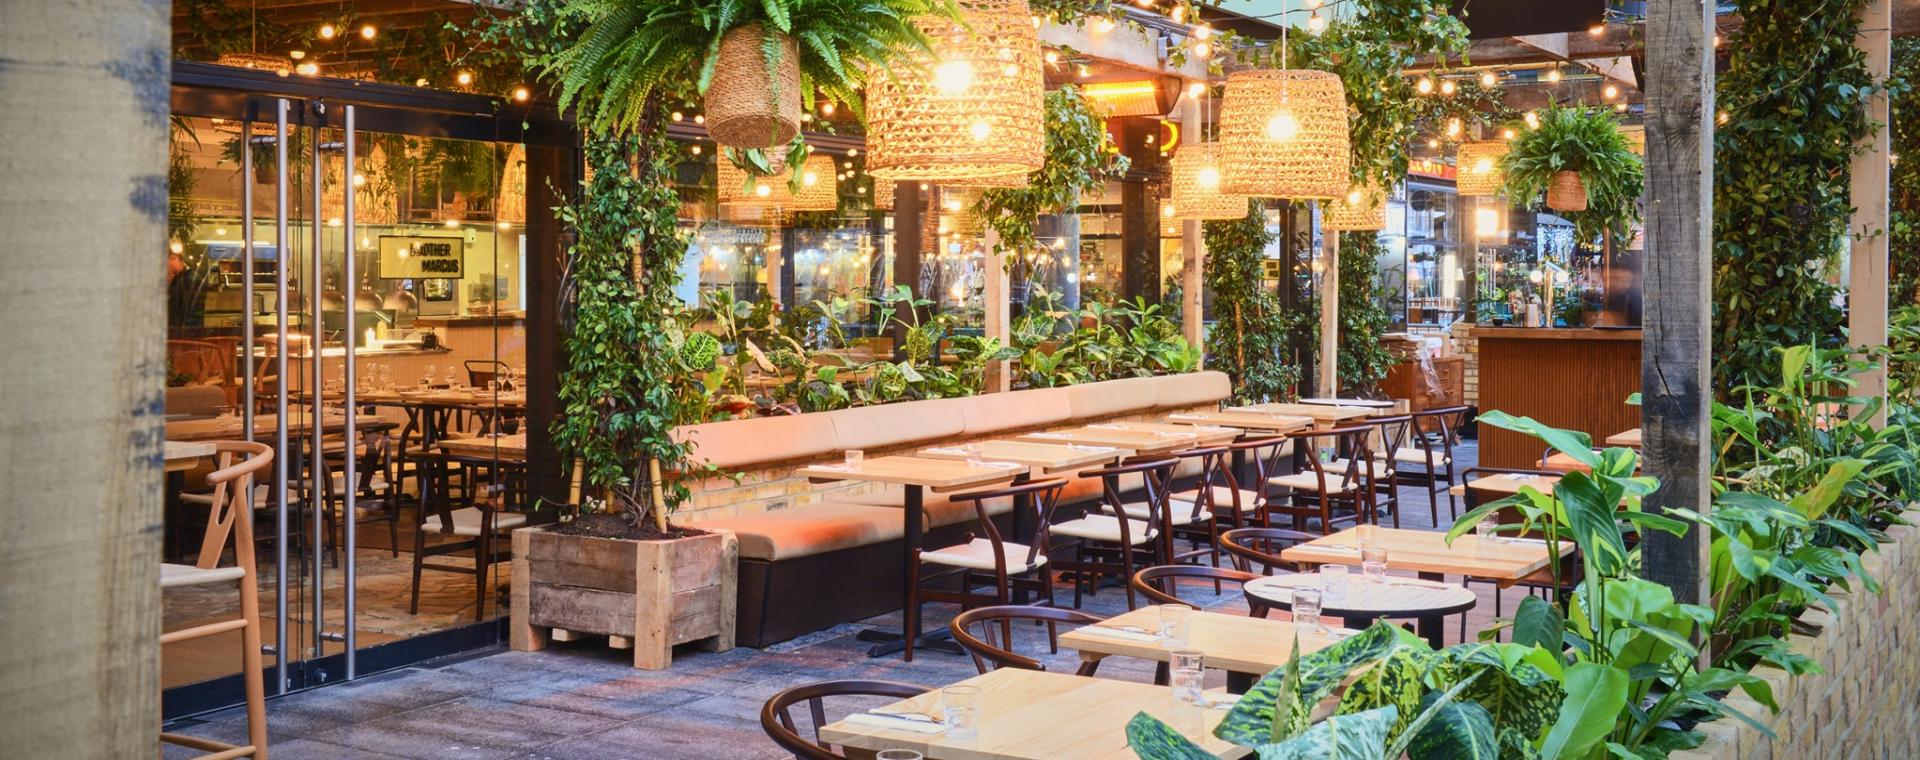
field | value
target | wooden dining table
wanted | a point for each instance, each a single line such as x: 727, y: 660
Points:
x: 1628, y: 438
x: 1322, y: 415
x: 183, y: 455
x: 1507, y: 484
x: 1246, y: 647
x: 506, y: 448
x: 1134, y: 441
x: 1425, y: 552
x: 1427, y: 602
x: 234, y: 427
x: 1204, y: 435
x: 1042, y: 458
x: 1036, y: 715
x: 914, y: 475
x: 1262, y: 422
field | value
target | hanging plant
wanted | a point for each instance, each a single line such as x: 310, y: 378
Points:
x: 1578, y: 159
x: 757, y: 63
x: 1080, y: 158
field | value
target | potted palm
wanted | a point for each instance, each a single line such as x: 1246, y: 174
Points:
x: 1580, y: 162
x: 756, y: 64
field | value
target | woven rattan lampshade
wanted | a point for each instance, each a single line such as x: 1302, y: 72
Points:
x: 957, y: 217
x: 1283, y: 134
x: 819, y: 190
x: 262, y: 61
x: 1362, y: 209
x: 1477, y: 167
x: 971, y: 110
x: 883, y: 194
x: 1196, y: 185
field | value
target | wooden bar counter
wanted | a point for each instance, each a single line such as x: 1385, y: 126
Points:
x: 1573, y: 378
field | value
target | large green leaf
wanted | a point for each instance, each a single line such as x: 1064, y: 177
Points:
x: 1291, y: 691
x: 1537, y: 623
x: 1358, y: 736
x: 1152, y: 739
x: 1573, y: 443
x: 1519, y: 697
x: 1457, y: 731
x: 1813, y: 503
x: 1596, y: 694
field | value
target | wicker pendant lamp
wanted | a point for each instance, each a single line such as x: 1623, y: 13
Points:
x: 1283, y: 134
x: 972, y: 110
x: 1362, y: 209
x: 957, y: 217
x: 1196, y: 185
x: 819, y: 190
x: 883, y: 195
x: 1477, y: 167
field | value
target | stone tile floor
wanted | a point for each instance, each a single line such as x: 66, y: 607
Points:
x: 579, y: 701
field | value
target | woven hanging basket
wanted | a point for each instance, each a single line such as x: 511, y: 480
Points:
x: 1360, y: 210
x: 1283, y: 134
x: 822, y: 193
x: 819, y: 186
x: 1567, y: 192
x: 1196, y: 185
x: 747, y: 106
x: 957, y: 219
x: 883, y: 195
x: 972, y: 110
x: 1477, y: 167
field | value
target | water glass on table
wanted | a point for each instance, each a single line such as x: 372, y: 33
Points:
x: 426, y: 379
x: 1366, y: 535
x: 854, y: 458
x: 1306, y: 610
x: 961, y: 704
x: 1373, y: 564
x: 1187, y: 674
x: 1333, y: 581
x: 1176, y: 620
x: 899, y: 754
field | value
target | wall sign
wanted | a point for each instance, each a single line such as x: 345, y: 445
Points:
x: 412, y: 257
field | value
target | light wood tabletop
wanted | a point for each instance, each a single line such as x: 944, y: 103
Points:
x: 233, y: 428
x: 1320, y: 413
x: 937, y: 474
x: 1135, y: 441
x: 1048, y: 458
x: 506, y: 447
x: 1508, y: 484
x: 1359, y: 403
x: 1426, y: 551
x: 182, y: 455
x: 1204, y: 435
x: 1236, y: 643
x: 1036, y: 715
x: 1627, y: 438
x: 1265, y: 422
x: 443, y: 397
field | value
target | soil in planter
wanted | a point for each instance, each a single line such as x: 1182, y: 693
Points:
x: 602, y: 525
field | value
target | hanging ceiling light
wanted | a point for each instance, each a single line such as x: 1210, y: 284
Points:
x: 1362, y: 209
x: 1478, y: 167
x: 1284, y: 134
x: 1196, y: 185
x: 817, y: 189
x: 978, y: 115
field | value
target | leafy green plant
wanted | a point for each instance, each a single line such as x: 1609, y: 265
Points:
x: 1250, y: 339
x: 1080, y: 157
x: 1363, y: 362
x: 1587, y: 141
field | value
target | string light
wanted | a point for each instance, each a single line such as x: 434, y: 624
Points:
x: 464, y: 78
x: 1723, y: 117
x: 1202, y: 32
x: 1447, y: 87
x: 328, y: 31
x: 677, y: 116
x: 1202, y: 49
x: 1507, y: 133
x: 1085, y: 72
x: 307, y: 69
x: 1453, y: 127
x: 1610, y: 92
x: 1532, y: 119
x: 1553, y: 75
x: 1316, y: 23
x: 827, y: 108
x: 367, y: 32
x: 1424, y: 86
x: 1103, y: 26
x: 1487, y: 79
x: 1052, y: 58
x: 521, y: 94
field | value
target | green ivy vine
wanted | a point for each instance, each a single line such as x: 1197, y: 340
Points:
x: 1363, y: 362
x: 1794, y: 93
x: 1904, y: 241
x: 1252, y: 332
x: 1079, y: 159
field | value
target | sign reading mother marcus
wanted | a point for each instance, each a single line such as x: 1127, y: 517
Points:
x: 422, y: 256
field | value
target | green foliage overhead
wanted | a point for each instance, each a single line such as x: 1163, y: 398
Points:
x: 1363, y: 362
x: 1794, y: 91
x: 633, y: 49
x: 1587, y: 141
x: 1080, y: 157
x: 1252, y: 335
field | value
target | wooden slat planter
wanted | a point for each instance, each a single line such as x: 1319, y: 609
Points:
x: 650, y: 595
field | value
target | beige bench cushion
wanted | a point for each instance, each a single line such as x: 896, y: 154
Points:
x: 938, y: 509
x: 744, y: 444
x: 810, y: 529
x: 1113, y: 397
x: 1192, y: 389
x: 997, y: 412
x: 890, y: 425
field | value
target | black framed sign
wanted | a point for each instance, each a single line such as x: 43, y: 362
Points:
x: 420, y: 257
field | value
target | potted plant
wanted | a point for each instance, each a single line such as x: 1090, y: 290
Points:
x: 1578, y: 159
x: 757, y: 64
x: 619, y: 568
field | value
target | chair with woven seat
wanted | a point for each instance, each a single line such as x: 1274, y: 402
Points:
x: 1233, y: 505
x: 1160, y: 584
x: 1427, y: 457
x: 1192, y: 518
x: 1539, y: 582
x: 776, y: 717
x: 1009, y: 564
x: 1118, y: 542
x: 1390, y: 435
x: 1333, y: 478
x: 375, y: 490
x: 230, y: 520
x: 990, y: 653
x: 482, y: 526
x: 1262, y: 546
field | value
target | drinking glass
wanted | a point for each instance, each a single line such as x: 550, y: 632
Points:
x: 854, y: 458
x: 898, y: 754
x: 961, y: 703
x: 1373, y: 564
x: 1187, y: 674
x: 1367, y: 533
x: 1175, y: 623
x: 1333, y: 579
x: 426, y: 380
x: 1306, y: 610
x: 453, y: 377
x: 1488, y: 529
x: 973, y: 455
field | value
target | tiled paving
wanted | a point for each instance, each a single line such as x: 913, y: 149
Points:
x: 581, y: 700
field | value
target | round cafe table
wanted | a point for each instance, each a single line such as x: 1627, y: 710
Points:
x: 1427, y: 602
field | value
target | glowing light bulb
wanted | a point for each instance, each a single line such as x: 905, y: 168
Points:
x: 464, y: 78
x: 1424, y: 86
x: 1433, y: 142
x: 809, y: 179
x: 1723, y: 117
x: 1621, y: 107
x: 307, y: 69
x: 1610, y: 92
x: 1316, y: 23
x: 1553, y: 76
x: 1487, y: 79
x: 1507, y: 133
x: 1453, y: 127
x: 696, y: 150
x: 367, y: 32
x: 328, y: 31
x: 1354, y: 197
x: 1532, y: 119
x: 953, y: 77
x: 699, y: 119
x: 1202, y: 32
x: 1596, y: 30
x: 979, y: 130
x: 1052, y: 58
x: 1207, y: 178
x: 1103, y: 26
x: 176, y: 247
x: 521, y: 94
x: 1483, y: 165
x: 1085, y: 72
x: 851, y: 152
x: 827, y: 108
x: 677, y: 116
x: 762, y: 189
x: 359, y: 179
x: 1202, y: 50
x: 1283, y: 126
x: 1447, y: 87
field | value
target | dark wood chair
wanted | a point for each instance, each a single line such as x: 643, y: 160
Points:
x: 990, y: 653
x: 1161, y: 584
x: 1010, y: 564
x: 1390, y: 434
x: 375, y: 488
x: 1333, y: 487
x: 481, y: 527
x: 1261, y: 546
x: 1428, y: 458
x: 776, y: 718
x: 1117, y: 542
x: 480, y: 372
x: 1192, y: 519
x: 1232, y: 504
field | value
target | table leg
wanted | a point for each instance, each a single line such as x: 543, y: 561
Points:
x: 936, y: 640
x: 1241, y: 683
x: 1432, y: 627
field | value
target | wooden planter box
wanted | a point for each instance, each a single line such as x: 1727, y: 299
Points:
x: 648, y: 595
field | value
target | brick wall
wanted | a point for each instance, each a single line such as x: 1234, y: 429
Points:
x: 1866, y: 704
x: 1466, y: 345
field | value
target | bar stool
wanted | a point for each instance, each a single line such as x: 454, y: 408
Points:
x: 988, y: 552
x: 1114, y: 535
x: 237, y: 463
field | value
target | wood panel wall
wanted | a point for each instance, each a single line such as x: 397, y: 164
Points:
x: 1574, y: 379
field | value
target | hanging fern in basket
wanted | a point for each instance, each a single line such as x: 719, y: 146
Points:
x: 1587, y: 142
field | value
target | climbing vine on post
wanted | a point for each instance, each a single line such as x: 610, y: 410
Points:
x: 1079, y: 159
x: 1363, y: 361
x: 1252, y: 333
x: 1904, y: 244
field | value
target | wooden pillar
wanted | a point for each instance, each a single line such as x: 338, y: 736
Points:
x: 996, y: 310
x: 1677, y: 349
x: 908, y: 237
x: 1193, y: 246
x: 1328, y: 384
x: 1867, y: 274
x: 550, y: 170
x: 80, y: 437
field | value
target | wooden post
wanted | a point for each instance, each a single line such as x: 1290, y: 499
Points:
x: 1867, y: 275
x: 1193, y: 246
x: 908, y: 236
x: 1329, y: 376
x: 85, y: 372
x: 996, y: 309
x: 1677, y: 347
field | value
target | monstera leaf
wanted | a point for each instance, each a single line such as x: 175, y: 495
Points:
x: 1356, y: 736
x: 1152, y: 739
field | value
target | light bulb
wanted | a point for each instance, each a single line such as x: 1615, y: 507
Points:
x: 307, y: 69
x: 1207, y: 178
x: 1283, y: 126
x: 1534, y: 276
x: 176, y: 247
x: 699, y: 119
x: 1052, y: 58
x: 1202, y: 32
x: 1424, y: 86
x: 953, y: 77
x: 696, y: 150
x: 327, y: 31
x: 1487, y: 79
x: 1596, y: 30
x: 677, y: 116
x: 1354, y: 196
x: 1103, y: 26
x: 809, y: 179
x: 1610, y: 92
x: 367, y: 32
x: 521, y: 94
x: 1532, y: 119
x: 1621, y: 107
x: 359, y: 179
x: 1507, y: 133
x: 1085, y: 72
x: 1433, y: 142
x: 1202, y: 50
x: 762, y: 189
x: 1316, y: 23
x: 1483, y: 165
x: 1453, y: 127
x: 464, y: 78
x: 1447, y: 87
x: 979, y: 130
x: 1723, y: 117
